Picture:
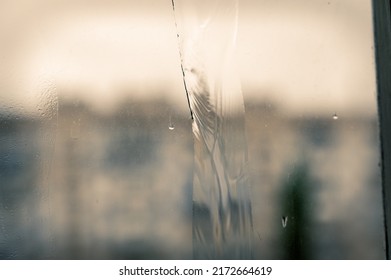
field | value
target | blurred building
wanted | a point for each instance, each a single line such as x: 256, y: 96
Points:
x: 83, y: 184
x: 342, y: 190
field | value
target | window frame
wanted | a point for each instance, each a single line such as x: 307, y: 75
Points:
x: 382, y: 36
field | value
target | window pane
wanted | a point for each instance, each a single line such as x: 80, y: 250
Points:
x: 309, y: 83
x: 96, y: 143
x: 97, y: 152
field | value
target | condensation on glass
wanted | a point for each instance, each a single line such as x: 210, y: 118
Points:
x: 98, y: 155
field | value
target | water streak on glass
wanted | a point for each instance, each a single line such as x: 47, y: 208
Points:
x: 284, y: 221
x: 48, y: 128
x: 222, y: 222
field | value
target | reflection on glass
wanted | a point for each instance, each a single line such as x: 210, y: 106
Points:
x: 96, y: 144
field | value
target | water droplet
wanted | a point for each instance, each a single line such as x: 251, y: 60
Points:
x: 335, y: 116
x: 284, y: 221
x: 171, y: 126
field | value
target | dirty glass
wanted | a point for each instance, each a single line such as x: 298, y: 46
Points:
x: 187, y: 129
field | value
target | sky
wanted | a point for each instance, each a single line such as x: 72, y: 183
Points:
x: 306, y: 55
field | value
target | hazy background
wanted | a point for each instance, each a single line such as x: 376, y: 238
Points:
x: 90, y: 169
x: 307, y: 55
